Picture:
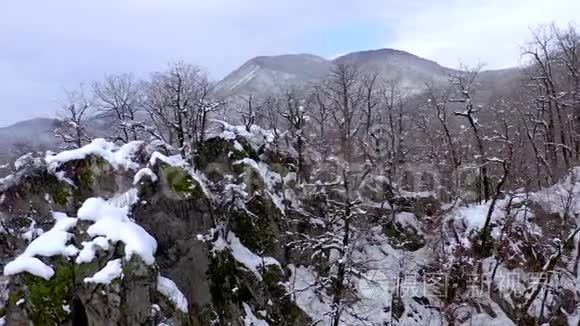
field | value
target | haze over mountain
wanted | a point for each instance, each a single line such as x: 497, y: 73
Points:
x: 266, y: 74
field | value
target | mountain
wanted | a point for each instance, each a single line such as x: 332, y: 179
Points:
x: 410, y: 70
x: 277, y: 72
x: 35, y: 133
x: 24, y: 130
x: 266, y: 74
x: 271, y: 72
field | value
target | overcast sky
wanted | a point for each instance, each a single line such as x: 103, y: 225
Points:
x: 48, y: 46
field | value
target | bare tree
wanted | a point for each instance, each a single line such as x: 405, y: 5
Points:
x: 319, y: 109
x: 343, y: 91
x: 296, y: 117
x: 73, y: 119
x: 437, y: 137
x: 333, y: 248
x: 509, y: 140
x: 370, y: 90
x: 248, y: 111
x: 179, y: 103
x: 392, y: 125
x: 119, y: 99
x: 548, y: 93
x: 568, y: 46
x: 465, y: 84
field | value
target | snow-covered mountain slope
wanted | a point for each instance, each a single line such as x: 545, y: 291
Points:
x: 267, y: 73
x: 410, y: 70
x: 33, y: 132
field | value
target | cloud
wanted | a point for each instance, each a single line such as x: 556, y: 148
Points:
x: 51, y: 45
x: 60, y: 43
x: 490, y: 32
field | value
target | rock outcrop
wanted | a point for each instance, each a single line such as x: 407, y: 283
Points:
x: 169, y: 200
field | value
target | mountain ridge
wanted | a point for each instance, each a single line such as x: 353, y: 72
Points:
x: 264, y: 74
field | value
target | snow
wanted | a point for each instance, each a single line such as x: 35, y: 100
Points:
x: 407, y: 219
x: 118, y: 157
x: 51, y: 243
x: 93, y: 209
x: 61, y: 176
x: 250, y: 319
x: 143, y: 173
x: 175, y: 160
x: 238, y: 146
x: 126, y: 199
x: 256, y: 137
x: 32, y: 232
x: 63, y: 221
x: 170, y: 290
x: 269, y: 178
x: 417, y: 194
x: 27, y: 159
x: 246, y: 78
x: 302, y: 281
x: 555, y: 198
x: 88, y: 253
x: 112, y: 270
x: 375, y: 285
x: 8, y: 181
x: 244, y: 255
x: 202, y: 181
x: 113, y: 224
x: 30, y: 265
x: 474, y: 216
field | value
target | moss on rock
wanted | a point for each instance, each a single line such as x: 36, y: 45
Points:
x: 254, y: 226
x: 227, y: 287
x: 181, y: 182
x: 46, y: 299
x: 61, y: 194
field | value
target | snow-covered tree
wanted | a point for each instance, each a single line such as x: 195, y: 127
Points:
x: 178, y: 101
x: 74, y: 120
x: 336, y: 234
x: 118, y: 98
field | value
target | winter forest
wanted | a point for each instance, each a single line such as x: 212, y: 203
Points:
x: 358, y: 193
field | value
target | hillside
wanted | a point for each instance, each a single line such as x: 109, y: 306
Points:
x: 104, y: 233
x: 35, y: 132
